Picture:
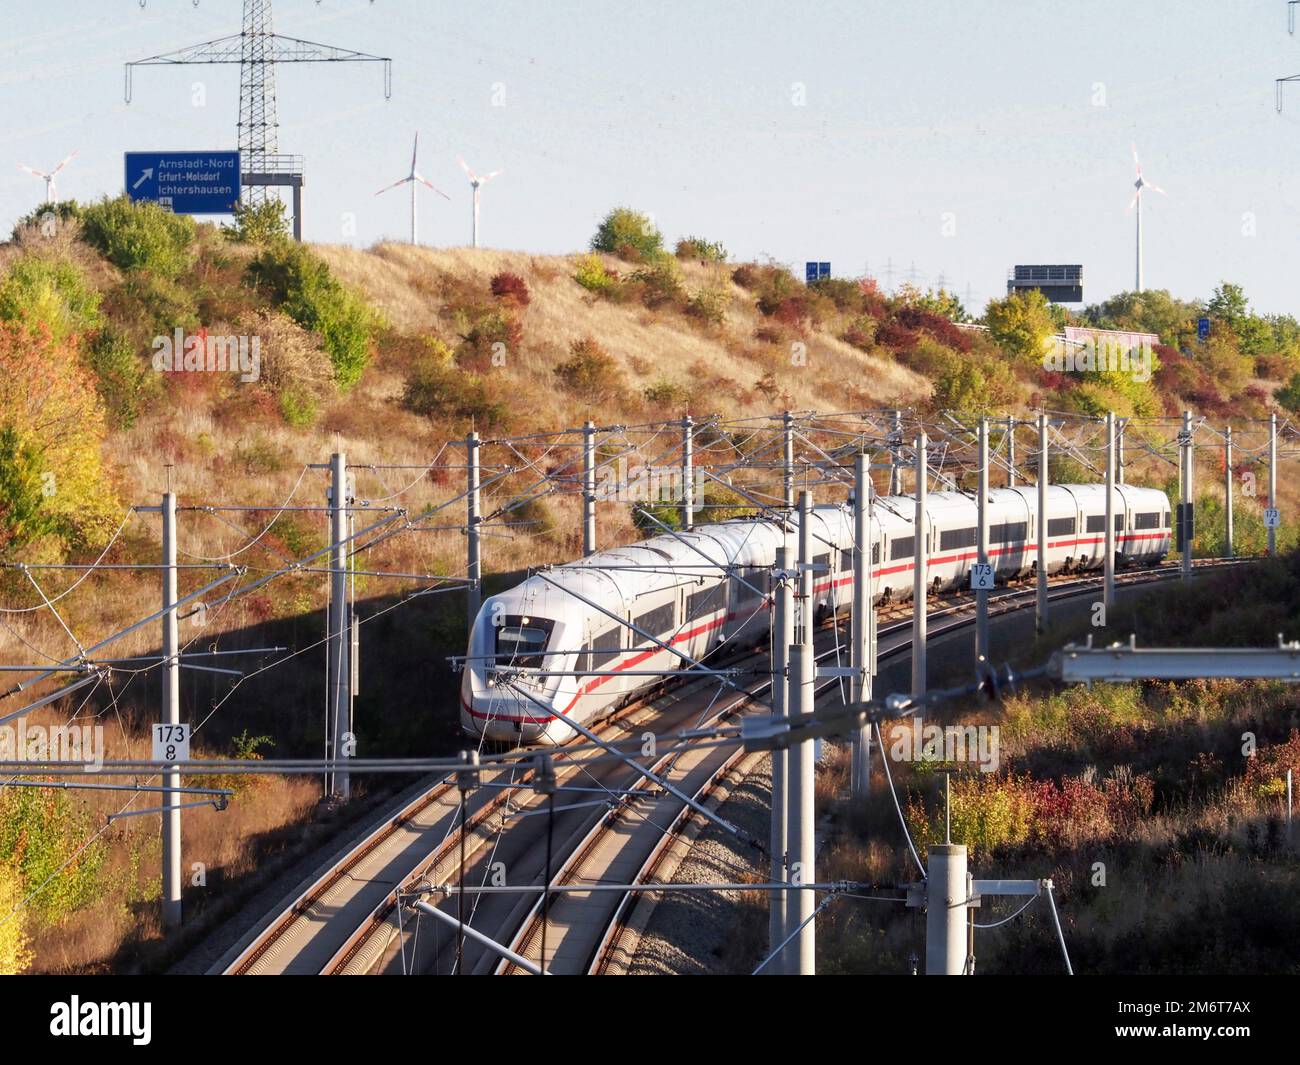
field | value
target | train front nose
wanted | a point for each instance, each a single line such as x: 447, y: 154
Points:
x: 503, y: 715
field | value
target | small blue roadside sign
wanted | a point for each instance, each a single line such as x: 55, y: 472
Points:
x: 1202, y: 329
x: 185, y: 182
x: 813, y: 271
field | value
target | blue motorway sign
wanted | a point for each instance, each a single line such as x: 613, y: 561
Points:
x: 1202, y: 329
x: 185, y: 182
x: 813, y: 271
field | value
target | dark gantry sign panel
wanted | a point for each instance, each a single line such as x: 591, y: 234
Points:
x: 1060, y: 284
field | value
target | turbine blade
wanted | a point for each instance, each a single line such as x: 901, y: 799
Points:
x: 432, y: 186
x: 1132, y: 204
x: 1137, y: 164
x: 64, y: 163
x: 399, y: 181
x: 495, y: 173
x: 465, y: 167
x: 1155, y: 188
x: 415, y: 150
x: 33, y: 172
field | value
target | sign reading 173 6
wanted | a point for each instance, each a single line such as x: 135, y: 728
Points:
x: 185, y: 182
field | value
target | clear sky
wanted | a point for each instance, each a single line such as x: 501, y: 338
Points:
x: 950, y: 139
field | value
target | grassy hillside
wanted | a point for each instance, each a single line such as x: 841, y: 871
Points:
x: 392, y: 354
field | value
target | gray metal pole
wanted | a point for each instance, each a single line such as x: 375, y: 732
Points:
x: 171, y: 715
x: 787, y: 459
x: 1228, y: 549
x: 946, y: 905
x: 895, y: 456
x: 339, y: 635
x: 920, y: 571
x: 688, y: 488
x: 807, y: 580
x: 1011, y: 451
x: 782, y: 638
x: 801, y: 954
x: 1120, y: 426
x: 1040, y: 602
x: 588, y: 489
x: 1272, y: 479
x: 981, y: 594
x: 1187, y: 466
x: 1108, y: 590
x: 860, y: 624
x: 474, y: 557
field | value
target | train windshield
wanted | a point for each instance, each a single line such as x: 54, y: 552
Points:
x: 521, y: 640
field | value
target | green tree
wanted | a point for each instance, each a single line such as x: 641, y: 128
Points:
x: 630, y: 235
x: 261, y: 223
x: 1020, y: 325
x: 140, y: 236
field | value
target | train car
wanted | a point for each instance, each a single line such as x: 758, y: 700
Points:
x: 574, y: 642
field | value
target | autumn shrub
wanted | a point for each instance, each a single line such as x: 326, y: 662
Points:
x: 49, y: 292
x: 510, y: 288
x: 43, y: 836
x: 708, y: 251
x: 861, y: 332
x: 710, y: 303
x: 660, y: 283
x: 446, y: 393
x: 974, y: 386
x: 123, y: 379
x: 303, y: 286
x: 590, y: 372
x: 630, y: 235
x: 592, y: 275
x: 488, y: 341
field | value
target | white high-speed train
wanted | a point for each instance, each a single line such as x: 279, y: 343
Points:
x: 529, y: 647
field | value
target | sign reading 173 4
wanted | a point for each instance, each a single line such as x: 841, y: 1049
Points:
x: 185, y: 182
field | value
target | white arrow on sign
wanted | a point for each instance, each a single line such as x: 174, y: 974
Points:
x: 145, y: 176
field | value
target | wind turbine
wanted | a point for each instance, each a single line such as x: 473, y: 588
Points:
x: 412, y: 178
x: 476, y: 183
x: 51, y: 193
x: 1140, y: 184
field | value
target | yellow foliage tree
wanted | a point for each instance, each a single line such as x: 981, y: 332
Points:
x: 15, y: 953
x: 53, y: 488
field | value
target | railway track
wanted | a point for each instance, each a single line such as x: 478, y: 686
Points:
x: 346, y: 919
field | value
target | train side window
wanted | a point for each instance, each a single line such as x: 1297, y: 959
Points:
x: 846, y: 560
x: 954, y: 538
x: 1166, y: 524
x: 1096, y: 523
x: 1149, y: 520
x: 902, y: 547
x: 657, y: 622
x: 703, y: 602
x: 824, y: 559
x: 605, y: 647
x: 1060, y: 526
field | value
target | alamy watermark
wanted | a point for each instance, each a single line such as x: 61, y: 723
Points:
x: 83, y: 744
x: 622, y: 483
x: 201, y: 352
x: 1102, y: 351
x: 915, y: 741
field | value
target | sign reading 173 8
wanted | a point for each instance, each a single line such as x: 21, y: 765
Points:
x: 171, y: 743
x: 185, y: 182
